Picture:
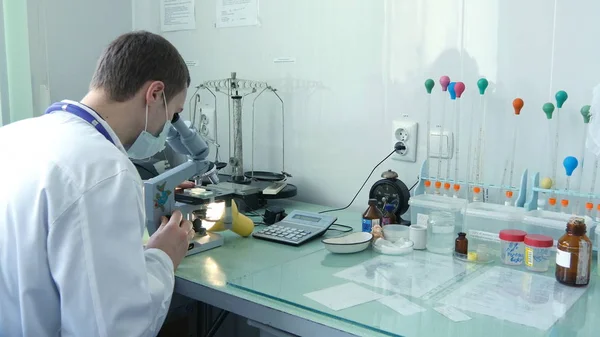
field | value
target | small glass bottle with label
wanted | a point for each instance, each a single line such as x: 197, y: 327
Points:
x: 574, y: 255
x: 461, y: 246
x: 388, y: 216
x: 372, y: 217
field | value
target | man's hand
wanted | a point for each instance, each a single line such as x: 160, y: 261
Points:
x: 184, y: 185
x: 172, y: 237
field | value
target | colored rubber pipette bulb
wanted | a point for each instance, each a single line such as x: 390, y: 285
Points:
x: 456, y: 190
x: 482, y: 84
x: 429, y: 84
x: 585, y: 112
x: 518, y: 105
x: 570, y: 164
x: 548, y: 109
x: 444, y: 82
x: 598, y: 213
x: 561, y: 97
x: 451, y: 90
x: 459, y: 88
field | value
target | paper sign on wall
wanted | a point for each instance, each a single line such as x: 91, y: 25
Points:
x: 236, y: 13
x: 177, y: 15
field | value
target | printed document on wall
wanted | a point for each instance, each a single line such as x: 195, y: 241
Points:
x: 177, y: 15
x: 236, y: 13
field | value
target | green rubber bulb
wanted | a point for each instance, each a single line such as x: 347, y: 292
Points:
x: 429, y: 84
x: 482, y: 84
x: 548, y: 109
x: 585, y: 112
x: 561, y: 97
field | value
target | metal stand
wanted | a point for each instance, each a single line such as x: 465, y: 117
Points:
x: 236, y: 89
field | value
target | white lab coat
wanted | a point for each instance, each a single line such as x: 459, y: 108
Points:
x: 71, y: 224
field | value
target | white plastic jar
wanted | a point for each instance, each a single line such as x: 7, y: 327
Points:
x: 512, y: 246
x: 538, y: 249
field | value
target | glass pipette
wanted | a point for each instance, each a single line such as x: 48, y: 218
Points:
x: 452, y: 92
x: 561, y: 96
x: 459, y: 88
x: 548, y: 183
x: 517, y: 106
x: 585, y: 113
x: 482, y: 84
x: 444, y: 82
x: 429, y: 84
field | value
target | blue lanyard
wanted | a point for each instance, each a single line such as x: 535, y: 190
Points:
x: 82, y: 113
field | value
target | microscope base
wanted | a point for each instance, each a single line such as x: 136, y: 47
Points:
x: 204, y: 243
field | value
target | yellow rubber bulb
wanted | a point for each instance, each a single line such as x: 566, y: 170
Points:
x: 241, y: 224
x: 546, y: 183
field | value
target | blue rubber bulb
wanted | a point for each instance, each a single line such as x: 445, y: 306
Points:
x: 570, y: 163
x: 451, y: 90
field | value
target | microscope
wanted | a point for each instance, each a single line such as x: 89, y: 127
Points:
x: 159, y: 191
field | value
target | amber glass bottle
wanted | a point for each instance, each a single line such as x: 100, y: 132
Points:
x: 574, y: 255
x: 371, y: 217
x: 461, y: 245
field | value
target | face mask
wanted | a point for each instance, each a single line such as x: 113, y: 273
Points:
x: 146, y: 145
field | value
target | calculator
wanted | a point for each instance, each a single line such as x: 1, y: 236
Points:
x: 296, y: 228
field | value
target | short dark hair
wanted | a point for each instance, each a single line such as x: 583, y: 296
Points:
x: 136, y: 58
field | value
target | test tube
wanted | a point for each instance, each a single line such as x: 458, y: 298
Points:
x: 552, y: 204
x: 589, y: 208
x: 564, y: 206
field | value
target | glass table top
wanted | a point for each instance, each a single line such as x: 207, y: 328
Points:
x: 426, y: 294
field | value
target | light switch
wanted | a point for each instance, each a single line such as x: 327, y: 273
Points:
x: 447, y: 139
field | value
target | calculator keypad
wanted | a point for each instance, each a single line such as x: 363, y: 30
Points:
x: 285, y: 233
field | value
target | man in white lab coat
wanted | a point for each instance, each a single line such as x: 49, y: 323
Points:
x: 71, y: 210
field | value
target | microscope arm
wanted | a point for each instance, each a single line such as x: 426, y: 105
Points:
x: 159, y: 192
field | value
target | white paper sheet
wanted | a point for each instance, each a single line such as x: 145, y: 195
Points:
x: 236, y: 13
x: 177, y: 15
x: 413, y: 275
x: 452, y: 313
x: 401, y: 305
x: 343, y: 296
x: 516, y: 296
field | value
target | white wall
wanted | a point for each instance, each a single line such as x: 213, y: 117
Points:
x: 66, y: 39
x: 361, y: 64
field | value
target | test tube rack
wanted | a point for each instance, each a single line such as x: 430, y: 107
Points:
x: 520, y: 190
x: 533, y: 196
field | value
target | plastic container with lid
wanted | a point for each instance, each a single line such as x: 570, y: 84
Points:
x: 422, y: 205
x: 484, y: 221
x: 552, y: 224
x: 538, y: 249
x: 512, y: 246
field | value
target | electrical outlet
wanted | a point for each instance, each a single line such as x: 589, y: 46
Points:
x: 405, y: 132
